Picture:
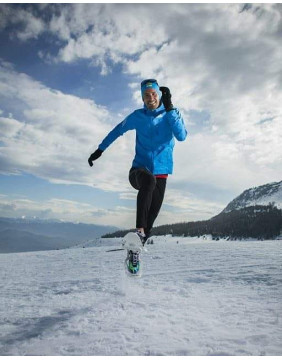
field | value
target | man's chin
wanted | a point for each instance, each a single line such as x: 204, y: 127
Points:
x: 153, y: 107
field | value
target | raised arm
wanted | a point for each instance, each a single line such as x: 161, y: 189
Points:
x: 173, y: 115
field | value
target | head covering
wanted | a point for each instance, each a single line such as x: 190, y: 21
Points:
x: 150, y: 84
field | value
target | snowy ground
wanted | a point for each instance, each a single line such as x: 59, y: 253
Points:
x: 197, y: 297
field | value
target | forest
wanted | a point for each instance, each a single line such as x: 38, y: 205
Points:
x: 261, y: 222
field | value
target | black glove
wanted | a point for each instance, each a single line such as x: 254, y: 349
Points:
x: 166, y: 98
x: 94, y: 156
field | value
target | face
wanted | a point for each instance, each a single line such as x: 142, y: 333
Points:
x: 151, y: 99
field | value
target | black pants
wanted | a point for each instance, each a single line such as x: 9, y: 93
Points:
x: 150, y: 196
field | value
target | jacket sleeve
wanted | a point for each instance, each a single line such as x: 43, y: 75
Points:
x: 177, y: 125
x: 119, y: 130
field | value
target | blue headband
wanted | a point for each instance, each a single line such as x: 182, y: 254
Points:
x: 147, y: 84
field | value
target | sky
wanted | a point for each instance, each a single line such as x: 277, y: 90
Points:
x: 70, y: 72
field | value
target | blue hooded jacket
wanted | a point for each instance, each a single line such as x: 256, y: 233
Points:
x: 155, y: 133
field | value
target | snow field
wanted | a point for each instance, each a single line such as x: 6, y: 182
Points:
x: 195, y: 297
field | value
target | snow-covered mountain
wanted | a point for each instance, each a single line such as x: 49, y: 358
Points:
x: 261, y: 195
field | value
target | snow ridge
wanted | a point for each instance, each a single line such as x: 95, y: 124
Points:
x: 261, y: 195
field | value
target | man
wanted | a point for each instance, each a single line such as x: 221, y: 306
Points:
x: 156, y: 126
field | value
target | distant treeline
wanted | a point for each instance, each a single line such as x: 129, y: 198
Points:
x: 261, y: 222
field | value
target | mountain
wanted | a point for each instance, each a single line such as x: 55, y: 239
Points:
x: 262, y: 195
x: 24, y: 241
x: 17, y: 235
x: 256, y: 213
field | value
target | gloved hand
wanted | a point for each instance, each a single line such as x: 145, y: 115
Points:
x: 166, y: 98
x: 94, y: 156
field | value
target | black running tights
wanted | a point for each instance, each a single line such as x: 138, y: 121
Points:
x: 150, y: 196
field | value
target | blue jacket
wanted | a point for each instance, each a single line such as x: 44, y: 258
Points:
x: 155, y: 132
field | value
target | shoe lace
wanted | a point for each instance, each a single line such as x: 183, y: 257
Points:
x: 135, y: 258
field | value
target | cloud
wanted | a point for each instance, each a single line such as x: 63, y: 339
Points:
x: 181, y: 204
x: 54, y: 133
x: 105, y: 30
x: 10, y: 127
x: 228, y: 66
x: 26, y: 24
x: 178, y: 206
x: 66, y: 210
x: 222, y: 60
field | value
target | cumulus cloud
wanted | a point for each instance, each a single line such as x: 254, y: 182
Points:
x: 105, y: 30
x: 54, y: 134
x: 223, y: 60
x: 66, y: 210
x: 27, y: 25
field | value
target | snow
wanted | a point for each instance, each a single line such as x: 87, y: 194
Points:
x: 195, y: 297
x: 263, y: 195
